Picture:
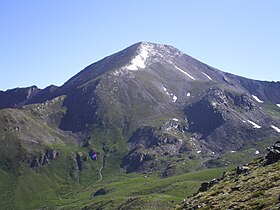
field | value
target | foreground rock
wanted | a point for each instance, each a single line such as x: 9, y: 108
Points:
x: 274, y: 154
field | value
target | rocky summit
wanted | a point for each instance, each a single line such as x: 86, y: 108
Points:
x: 147, y: 111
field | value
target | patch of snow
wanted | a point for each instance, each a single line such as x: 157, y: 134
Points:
x: 118, y: 72
x: 244, y: 121
x: 213, y: 153
x: 207, y: 76
x: 174, y: 98
x: 188, y: 94
x: 181, y: 70
x: 175, y: 119
x: 214, y: 104
x: 275, y: 128
x: 278, y: 105
x: 164, y: 88
x: 257, y: 152
x: 198, y: 152
x: 254, y: 124
x: 257, y: 99
x: 139, y: 61
x: 232, y: 151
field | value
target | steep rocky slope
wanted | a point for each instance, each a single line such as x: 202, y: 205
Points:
x: 252, y: 186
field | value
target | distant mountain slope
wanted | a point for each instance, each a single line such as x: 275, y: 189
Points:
x: 18, y: 97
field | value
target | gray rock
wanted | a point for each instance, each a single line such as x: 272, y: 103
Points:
x: 242, y: 170
x: 274, y: 154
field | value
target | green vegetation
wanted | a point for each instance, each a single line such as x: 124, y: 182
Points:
x: 272, y: 109
x: 257, y: 189
x: 29, y: 132
x: 47, y: 187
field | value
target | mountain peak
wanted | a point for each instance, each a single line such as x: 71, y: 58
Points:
x: 146, y: 50
x: 143, y: 52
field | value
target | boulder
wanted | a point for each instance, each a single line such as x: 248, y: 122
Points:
x: 207, y: 185
x: 99, y: 192
x: 273, y: 154
x: 242, y: 170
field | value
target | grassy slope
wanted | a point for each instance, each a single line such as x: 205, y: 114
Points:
x: 49, y: 187
x: 134, y: 191
x: 257, y: 190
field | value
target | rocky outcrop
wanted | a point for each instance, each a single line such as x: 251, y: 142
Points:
x: 242, y: 101
x: 205, y: 115
x: 242, y: 170
x: 207, y: 185
x: 44, y: 159
x: 79, y: 161
x: 148, y: 143
x: 273, y: 154
x: 100, y: 192
x: 137, y: 160
x: 150, y: 137
x: 174, y: 126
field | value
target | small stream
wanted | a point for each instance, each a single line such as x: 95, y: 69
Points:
x: 103, y: 163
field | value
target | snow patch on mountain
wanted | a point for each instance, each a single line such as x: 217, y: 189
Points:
x: 138, y: 62
x: 257, y: 99
x: 207, y: 76
x: 188, y: 94
x: 181, y: 70
x: 278, y: 105
x: 257, y: 152
x: 254, y: 124
x: 118, y: 72
x: 275, y: 128
x: 174, y: 98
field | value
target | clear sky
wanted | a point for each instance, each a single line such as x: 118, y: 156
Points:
x: 47, y: 42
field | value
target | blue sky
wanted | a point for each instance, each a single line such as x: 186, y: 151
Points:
x: 47, y: 42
